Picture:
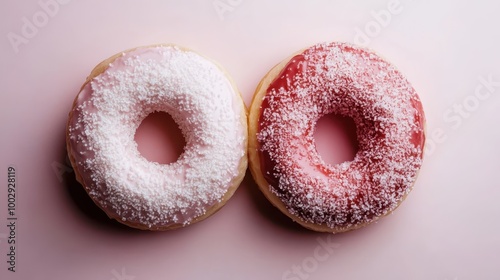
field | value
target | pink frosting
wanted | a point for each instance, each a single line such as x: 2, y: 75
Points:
x: 108, y: 111
x: 349, y: 81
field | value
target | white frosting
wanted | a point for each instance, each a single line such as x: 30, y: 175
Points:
x: 110, y: 108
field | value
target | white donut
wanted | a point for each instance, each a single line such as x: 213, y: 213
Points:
x: 202, y: 100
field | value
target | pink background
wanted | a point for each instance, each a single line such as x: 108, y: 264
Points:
x: 447, y: 229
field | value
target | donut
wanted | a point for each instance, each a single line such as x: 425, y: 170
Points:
x: 348, y: 81
x: 206, y: 105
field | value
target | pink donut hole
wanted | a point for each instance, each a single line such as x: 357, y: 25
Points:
x: 336, y: 139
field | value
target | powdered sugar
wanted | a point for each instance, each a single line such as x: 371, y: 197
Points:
x: 200, y: 99
x: 349, y: 81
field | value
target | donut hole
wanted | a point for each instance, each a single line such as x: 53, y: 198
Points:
x: 159, y: 138
x: 336, y: 139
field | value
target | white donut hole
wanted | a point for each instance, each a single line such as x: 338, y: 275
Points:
x: 159, y: 138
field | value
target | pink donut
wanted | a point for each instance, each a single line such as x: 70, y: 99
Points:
x: 349, y: 81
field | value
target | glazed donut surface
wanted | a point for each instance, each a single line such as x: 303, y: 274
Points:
x: 201, y: 99
x: 349, y: 81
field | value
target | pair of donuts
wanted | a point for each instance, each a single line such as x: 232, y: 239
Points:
x: 276, y: 139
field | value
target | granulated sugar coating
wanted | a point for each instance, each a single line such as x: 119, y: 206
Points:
x: 107, y: 112
x: 349, y: 81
